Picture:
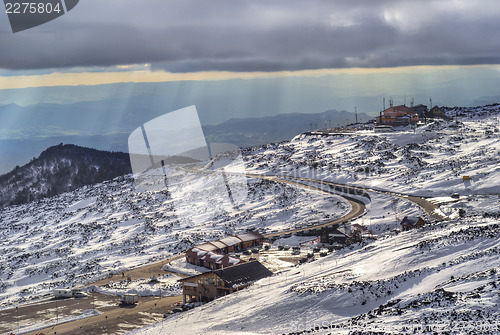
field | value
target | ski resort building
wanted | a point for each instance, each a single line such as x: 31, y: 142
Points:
x: 210, y: 260
x: 215, y: 255
x: 398, y: 116
x: 410, y: 222
x: 218, y: 283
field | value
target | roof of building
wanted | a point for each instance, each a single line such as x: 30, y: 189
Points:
x: 212, y: 257
x: 338, y: 233
x: 231, y: 240
x: 251, y: 235
x: 411, y: 220
x: 219, y: 244
x: 238, y: 275
x: 243, y: 274
x: 207, y: 246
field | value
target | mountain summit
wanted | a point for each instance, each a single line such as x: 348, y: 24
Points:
x: 59, y: 169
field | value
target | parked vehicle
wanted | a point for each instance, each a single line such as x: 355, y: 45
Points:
x: 303, y: 260
x: 78, y: 293
x: 255, y: 250
x: 247, y: 252
x: 310, y: 255
x: 280, y: 247
x: 190, y: 306
x: 178, y: 310
x: 286, y: 247
x: 62, y: 293
x: 296, y: 248
x: 129, y: 299
x: 323, y: 254
x: 296, y: 252
x: 316, y: 249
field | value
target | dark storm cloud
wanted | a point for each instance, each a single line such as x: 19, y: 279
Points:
x: 259, y: 35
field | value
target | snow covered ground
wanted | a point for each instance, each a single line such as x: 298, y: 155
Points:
x: 439, y: 279
x: 428, y: 161
x: 82, y: 236
x: 441, y: 276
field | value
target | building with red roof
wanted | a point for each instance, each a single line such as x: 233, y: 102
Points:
x: 215, y: 255
x: 398, y: 116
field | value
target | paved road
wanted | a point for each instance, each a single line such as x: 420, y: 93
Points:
x: 117, y: 320
x: 426, y: 205
x: 143, y: 272
x: 150, y: 309
x: 113, y: 317
x: 358, y: 208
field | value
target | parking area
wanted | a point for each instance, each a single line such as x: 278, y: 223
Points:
x: 62, y: 316
x: 277, y: 257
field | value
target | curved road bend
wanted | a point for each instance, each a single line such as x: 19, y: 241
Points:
x: 115, y: 317
x: 426, y: 205
x: 358, y: 208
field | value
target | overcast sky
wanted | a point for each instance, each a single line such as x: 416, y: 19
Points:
x: 257, y: 35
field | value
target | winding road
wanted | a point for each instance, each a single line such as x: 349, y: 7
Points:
x: 358, y: 207
x: 114, y: 318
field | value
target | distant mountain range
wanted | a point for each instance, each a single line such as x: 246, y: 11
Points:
x: 106, y: 125
x: 60, y: 169
x: 254, y: 131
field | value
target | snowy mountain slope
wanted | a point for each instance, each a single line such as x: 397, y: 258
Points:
x: 429, y: 161
x: 83, y: 235
x: 434, y: 276
x: 439, y: 279
x: 59, y: 169
x: 108, y: 227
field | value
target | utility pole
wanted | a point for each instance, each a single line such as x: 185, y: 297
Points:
x: 356, y: 113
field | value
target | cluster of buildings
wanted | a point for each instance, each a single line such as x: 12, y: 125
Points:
x: 218, y: 283
x: 402, y: 115
x: 411, y: 222
x: 398, y: 116
x: 229, y: 273
x: 215, y: 255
